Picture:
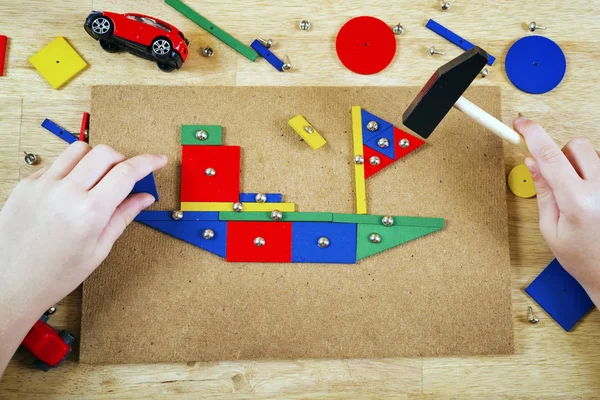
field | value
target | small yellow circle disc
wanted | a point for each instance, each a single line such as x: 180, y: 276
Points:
x: 520, y: 182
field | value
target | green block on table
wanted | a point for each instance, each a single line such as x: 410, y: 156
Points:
x: 266, y: 216
x: 398, y: 220
x: 213, y: 133
x: 214, y: 30
x: 391, y: 236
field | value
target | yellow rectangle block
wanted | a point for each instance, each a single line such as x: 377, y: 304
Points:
x: 314, y: 139
x: 359, y: 169
x: 208, y: 206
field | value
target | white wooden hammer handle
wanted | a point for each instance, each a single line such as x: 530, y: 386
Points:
x: 486, y: 120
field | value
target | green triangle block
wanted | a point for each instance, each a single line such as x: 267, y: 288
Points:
x: 391, y: 236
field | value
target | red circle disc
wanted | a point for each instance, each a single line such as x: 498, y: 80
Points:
x: 366, y: 45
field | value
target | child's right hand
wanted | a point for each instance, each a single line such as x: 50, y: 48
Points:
x: 568, y: 194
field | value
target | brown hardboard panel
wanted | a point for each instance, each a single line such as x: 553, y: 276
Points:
x: 157, y: 299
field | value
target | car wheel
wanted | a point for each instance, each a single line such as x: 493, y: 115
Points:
x: 39, y: 364
x: 165, y: 67
x: 102, y: 26
x: 109, y: 46
x: 67, y: 337
x: 161, y: 47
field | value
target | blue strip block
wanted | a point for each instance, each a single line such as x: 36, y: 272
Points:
x: 387, y: 151
x: 454, y: 38
x: 191, y: 232
x: 342, y: 242
x: 367, y: 117
x: 251, y: 197
x: 168, y: 216
x: 146, y: 185
x: 560, y: 295
x: 267, y: 55
x: 59, y: 131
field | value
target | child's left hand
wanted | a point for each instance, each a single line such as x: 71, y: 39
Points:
x: 58, y: 225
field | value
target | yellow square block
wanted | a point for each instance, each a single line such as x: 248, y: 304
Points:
x: 58, y: 62
x: 215, y: 206
x: 313, y: 139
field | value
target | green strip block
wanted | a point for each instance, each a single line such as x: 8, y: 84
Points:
x: 391, y: 236
x: 214, y: 135
x: 214, y: 30
x: 266, y: 216
x: 398, y: 220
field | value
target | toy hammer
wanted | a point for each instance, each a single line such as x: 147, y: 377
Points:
x: 444, y: 90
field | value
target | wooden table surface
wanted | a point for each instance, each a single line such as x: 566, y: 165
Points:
x: 548, y: 361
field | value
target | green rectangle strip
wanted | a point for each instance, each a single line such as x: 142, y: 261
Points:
x: 266, y: 216
x: 214, y: 135
x: 214, y: 30
x: 398, y: 220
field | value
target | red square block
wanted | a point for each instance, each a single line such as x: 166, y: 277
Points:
x: 241, y: 238
x: 198, y: 185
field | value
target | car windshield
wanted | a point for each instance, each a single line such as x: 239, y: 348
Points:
x: 149, y: 21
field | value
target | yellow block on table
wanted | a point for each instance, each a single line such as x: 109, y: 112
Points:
x: 58, y: 62
x: 520, y: 182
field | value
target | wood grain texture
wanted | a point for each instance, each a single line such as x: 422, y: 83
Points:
x: 549, y: 362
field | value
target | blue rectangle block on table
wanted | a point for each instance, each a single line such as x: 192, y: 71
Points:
x: 59, y: 131
x: 454, y: 38
x: 251, y: 197
x: 341, y: 248
x: 557, y: 292
x: 267, y: 55
x: 146, y: 185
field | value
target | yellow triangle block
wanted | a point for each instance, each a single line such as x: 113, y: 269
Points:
x: 58, y: 62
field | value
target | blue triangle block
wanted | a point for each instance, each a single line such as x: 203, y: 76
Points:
x: 146, y: 185
x: 191, y: 232
x: 367, y: 117
x: 388, y: 151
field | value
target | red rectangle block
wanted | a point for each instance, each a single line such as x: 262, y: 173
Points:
x: 210, y: 173
x: 244, y: 244
x: 3, y: 50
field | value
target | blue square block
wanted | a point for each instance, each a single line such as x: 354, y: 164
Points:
x: 342, y: 242
x: 557, y: 292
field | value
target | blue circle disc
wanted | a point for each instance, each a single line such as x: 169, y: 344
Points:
x: 535, y: 64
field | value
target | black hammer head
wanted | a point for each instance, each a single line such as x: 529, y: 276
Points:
x: 444, y: 88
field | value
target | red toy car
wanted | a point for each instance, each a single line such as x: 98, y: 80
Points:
x: 144, y: 36
x: 48, y: 346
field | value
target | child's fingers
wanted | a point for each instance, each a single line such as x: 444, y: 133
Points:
x: 123, y: 215
x: 551, y: 161
x: 583, y: 157
x: 548, y: 208
x: 118, y: 182
x: 37, y: 174
x: 94, y: 166
x: 68, y: 160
